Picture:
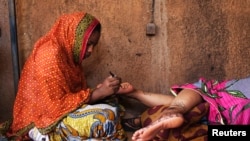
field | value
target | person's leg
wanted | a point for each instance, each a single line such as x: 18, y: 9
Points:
x: 152, y: 129
x: 172, y: 117
x: 183, y: 102
x: 170, y: 120
x: 186, y: 100
x: 147, y: 98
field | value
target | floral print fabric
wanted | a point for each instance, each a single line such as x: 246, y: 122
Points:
x: 229, y: 100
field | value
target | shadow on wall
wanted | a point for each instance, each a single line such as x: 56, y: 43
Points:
x: 7, y: 91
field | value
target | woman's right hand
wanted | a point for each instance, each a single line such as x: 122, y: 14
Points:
x: 108, y: 87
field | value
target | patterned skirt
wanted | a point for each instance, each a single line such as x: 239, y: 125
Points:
x: 99, y: 122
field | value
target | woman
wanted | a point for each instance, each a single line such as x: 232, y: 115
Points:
x: 221, y: 103
x: 52, y: 86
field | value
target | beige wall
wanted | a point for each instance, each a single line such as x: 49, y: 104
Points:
x: 208, y: 38
x: 194, y: 38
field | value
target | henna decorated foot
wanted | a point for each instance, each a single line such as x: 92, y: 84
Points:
x: 168, y: 120
x: 125, y: 88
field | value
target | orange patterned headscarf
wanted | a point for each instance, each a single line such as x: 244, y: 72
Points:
x: 52, y: 83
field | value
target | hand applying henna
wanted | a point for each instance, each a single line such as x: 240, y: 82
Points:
x: 116, y: 87
x: 105, y: 89
x: 125, y: 87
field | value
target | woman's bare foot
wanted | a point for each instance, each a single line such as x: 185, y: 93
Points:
x: 125, y: 88
x: 169, y: 120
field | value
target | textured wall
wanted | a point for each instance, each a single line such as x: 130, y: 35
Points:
x: 194, y: 38
x: 208, y: 38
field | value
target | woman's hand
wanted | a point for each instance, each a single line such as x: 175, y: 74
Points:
x: 108, y: 87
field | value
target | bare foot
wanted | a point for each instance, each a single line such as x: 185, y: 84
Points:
x: 170, y: 120
x: 125, y: 88
x: 98, y: 86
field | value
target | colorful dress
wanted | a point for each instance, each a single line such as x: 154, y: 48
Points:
x: 89, y: 122
x: 229, y: 100
x: 52, y: 85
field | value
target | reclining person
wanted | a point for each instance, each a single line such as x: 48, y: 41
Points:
x: 219, y: 102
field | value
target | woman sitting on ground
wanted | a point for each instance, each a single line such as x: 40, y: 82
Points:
x: 54, y: 101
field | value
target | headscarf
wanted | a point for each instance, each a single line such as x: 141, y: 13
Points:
x: 52, y: 83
